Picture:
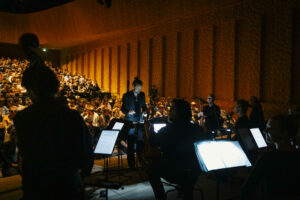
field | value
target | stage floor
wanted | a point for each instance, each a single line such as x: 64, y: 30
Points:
x: 136, y: 186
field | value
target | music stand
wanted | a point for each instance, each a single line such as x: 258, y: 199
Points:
x: 258, y: 138
x: 246, y: 139
x: 158, y: 126
x: 105, y: 147
x: 218, y: 156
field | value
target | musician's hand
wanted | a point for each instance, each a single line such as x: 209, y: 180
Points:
x: 131, y: 112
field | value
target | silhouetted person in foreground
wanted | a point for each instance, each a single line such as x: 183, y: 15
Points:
x: 276, y: 175
x: 54, y: 142
x: 178, y: 163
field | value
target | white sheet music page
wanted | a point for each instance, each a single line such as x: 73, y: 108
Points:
x: 118, y: 126
x: 258, y: 137
x: 106, y: 142
x: 222, y: 154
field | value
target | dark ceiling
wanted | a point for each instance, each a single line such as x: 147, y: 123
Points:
x: 29, y: 6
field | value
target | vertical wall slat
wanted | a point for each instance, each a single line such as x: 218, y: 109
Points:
x: 178, y: 64
x: 186, y: 70
x: 170, y: 66
x: 144, y: 68
x: 163, y: 65
x: 118, y: 68
x: 123, y: 69
x: 114, y: 69
x: 150, y: 62
x: 157, y: 63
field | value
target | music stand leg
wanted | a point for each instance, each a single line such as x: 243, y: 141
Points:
x: 218, y: 189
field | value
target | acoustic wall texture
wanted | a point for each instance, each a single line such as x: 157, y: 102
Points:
x: 247, y: 48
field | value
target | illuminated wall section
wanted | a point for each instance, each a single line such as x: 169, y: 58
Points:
x: 234, y: 52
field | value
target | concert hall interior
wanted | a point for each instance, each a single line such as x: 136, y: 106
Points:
x: 101, y: 99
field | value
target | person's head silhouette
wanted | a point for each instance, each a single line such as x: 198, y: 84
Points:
x: 39, y: 80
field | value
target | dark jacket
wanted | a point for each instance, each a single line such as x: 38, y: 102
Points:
x: 212, y: 120
x: 242, y: 122
x: 129, y: 103
x: 54, y: 144
x: 275, y: 175
x: 176, y: 142
x: 256, y: 119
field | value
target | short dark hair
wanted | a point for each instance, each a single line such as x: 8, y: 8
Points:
x: 183, y: 109
x: 29, y: 40
x: 137, y: 81
x: 40, y: 79
x: 243, y: 105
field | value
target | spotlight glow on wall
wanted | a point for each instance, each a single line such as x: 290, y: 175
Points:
x: 44, y: 49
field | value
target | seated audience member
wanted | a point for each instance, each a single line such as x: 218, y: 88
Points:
x: 256, y: 118
x: 241, y: 108
x: 178, y: 163
x: 275, y: 175
x: 8, y: 155
x: 53, y: 141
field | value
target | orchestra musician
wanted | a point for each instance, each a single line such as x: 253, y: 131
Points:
x: 133, y: 107
x: 178, y: 162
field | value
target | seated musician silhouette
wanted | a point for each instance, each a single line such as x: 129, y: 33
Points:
x: 178, y: 163
x: 53, y: 140
x: 275, y: 175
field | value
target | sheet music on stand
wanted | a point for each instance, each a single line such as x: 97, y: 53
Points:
x: 158, y: 126
x: 118, y: 126
x: 106, y: 142
x: 258, y: 137
x: 218, y: 155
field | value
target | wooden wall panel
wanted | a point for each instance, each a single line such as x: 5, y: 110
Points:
x: 157, y: 63
x: 186, y: 69
x: 133, y: 61
x: 235, y: 53
x: 224, y: 69
x: 92, y: 64
x: 80, y: 64
x: 77, y: 63
x: 277, y: 55
x: 86, y: 64
x: 204, y: 73
x: 123, y: 69
x: 144, y: 73
x: 114, y: 70
x: 171, y: 59
x: 106, y: 69
x: 295, y: 94
x: 98, y: 66
x: 248, y: 72
x: 73, y: 64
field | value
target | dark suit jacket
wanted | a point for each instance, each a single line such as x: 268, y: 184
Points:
x: 129, y: 104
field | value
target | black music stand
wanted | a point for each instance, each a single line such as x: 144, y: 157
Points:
x: 105, y: 147
x: 219, y: 156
